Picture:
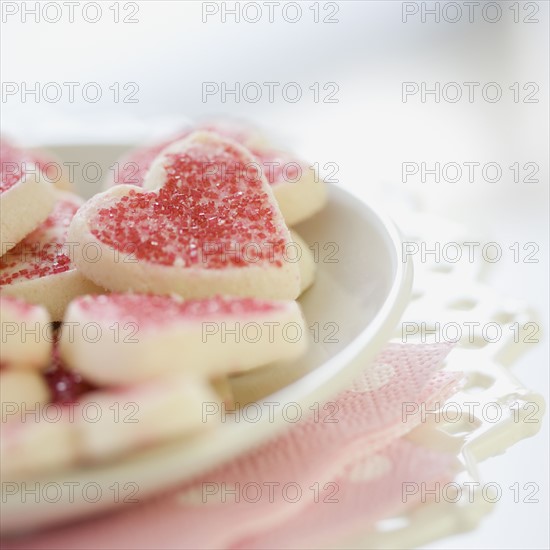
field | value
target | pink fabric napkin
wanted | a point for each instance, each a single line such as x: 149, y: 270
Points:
x: 332, y: 474
x: 371, y: 489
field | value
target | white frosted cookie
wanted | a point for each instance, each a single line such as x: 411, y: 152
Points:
x: 141, y: 415
x: 298, y: 190
x: 19, y: 387
x: 206, y: 228
x: 296, y: 186
x: 115, y: 338
x: 26, y: 342
x: 39, y: 269
x: 26, y: 196
x: 306, y: 262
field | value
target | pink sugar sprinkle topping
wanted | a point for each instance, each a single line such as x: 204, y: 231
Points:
x: 148, y: 309
x: 209, y: 213
x: 44, y: 251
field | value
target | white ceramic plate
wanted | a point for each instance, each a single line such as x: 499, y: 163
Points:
x: 361, y: 295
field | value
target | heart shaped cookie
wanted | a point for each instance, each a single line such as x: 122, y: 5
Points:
x: 39, y: 269
x: 297, y: 188
x: 26, y: 196
x: 207, y: 227
x: 113, y: 339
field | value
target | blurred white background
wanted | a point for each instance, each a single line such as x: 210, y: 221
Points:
x: 169, y: 52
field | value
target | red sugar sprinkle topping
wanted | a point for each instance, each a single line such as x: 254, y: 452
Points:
x: 44, y: 251
x: 208, y: 213
x: 149, y: 309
